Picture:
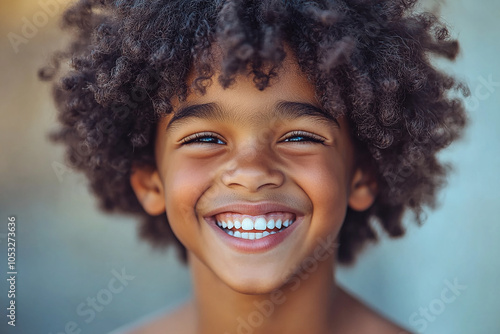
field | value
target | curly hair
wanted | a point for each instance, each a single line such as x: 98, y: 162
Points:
x: 370, y: 61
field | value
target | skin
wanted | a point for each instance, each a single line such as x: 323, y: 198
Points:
x: 251, y: 153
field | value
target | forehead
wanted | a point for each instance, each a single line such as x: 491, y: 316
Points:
x: 290, y: 84
x: 290, y: 96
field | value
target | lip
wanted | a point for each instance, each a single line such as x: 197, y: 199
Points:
x: 254, y: 209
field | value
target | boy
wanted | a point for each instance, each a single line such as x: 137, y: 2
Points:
x: 262, y: 138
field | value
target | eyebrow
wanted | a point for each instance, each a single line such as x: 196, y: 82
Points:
x: 291, y: 110
x: 206, y: 110
x: 282, y: 109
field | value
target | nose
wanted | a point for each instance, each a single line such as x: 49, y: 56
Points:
x: 253, y: 168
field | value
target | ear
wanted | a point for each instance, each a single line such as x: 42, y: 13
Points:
x: 148, y: 188
x: 363, y: 190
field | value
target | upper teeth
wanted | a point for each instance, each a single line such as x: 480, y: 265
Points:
x: 259, y: 223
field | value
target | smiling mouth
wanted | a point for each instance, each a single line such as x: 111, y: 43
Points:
x: 254, y: 227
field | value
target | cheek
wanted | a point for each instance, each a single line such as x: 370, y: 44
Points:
x: 324, y: 181
x: 184, y: 183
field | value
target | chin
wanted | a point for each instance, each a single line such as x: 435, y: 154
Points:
x: 256, y: 280
x: 255, y: 287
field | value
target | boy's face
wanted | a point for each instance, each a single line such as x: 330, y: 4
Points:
x: 244, y: 156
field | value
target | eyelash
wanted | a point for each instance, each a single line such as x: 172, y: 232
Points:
x: 309, y: 137
x: 196, y: 138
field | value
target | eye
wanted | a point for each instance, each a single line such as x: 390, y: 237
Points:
x: 203, y: 138
x: 303, y: 137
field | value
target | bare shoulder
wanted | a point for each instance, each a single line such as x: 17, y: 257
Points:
x: 355, y: 317
x: 180, y: 320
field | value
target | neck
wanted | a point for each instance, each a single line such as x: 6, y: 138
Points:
x: 303, y: 305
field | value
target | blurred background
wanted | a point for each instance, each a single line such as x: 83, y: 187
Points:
x: 68, y: 252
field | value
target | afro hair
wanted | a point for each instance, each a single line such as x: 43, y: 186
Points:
x: 370, y: 61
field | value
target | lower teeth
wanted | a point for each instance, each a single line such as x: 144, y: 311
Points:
x: 250, y: 235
